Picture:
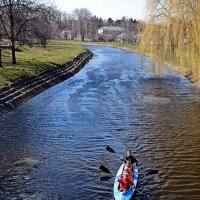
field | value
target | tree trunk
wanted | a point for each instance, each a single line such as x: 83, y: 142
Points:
x: 11, y: 18
x: 1, y: 65
x: 13, y: 53
x: 44, y: 44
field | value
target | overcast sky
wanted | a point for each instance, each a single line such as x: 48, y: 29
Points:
x: 115, y: 9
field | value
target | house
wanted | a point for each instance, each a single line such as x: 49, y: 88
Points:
x: 130, y: 38
x: 109, y: 33
x: 67, y: 35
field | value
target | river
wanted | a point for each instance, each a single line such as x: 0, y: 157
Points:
x: 112, y: 101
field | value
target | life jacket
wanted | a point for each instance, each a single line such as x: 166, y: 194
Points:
x: 130, y: 176
x: 124, y: 184
x: 130, y: 171
x: 131, y: 168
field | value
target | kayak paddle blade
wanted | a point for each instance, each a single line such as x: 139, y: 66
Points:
x: 110, y: 149
x: 104, y: 169
x: 153, y: 172
x: 105, y: 178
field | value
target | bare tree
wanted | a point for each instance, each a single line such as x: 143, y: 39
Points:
x: 68, y: 20
x: 15, y: 16
x: 42, y: 32
x: 83, y: 15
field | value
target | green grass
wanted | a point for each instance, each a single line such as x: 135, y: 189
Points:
x: 33, y: 61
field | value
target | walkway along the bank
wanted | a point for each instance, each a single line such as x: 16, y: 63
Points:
x: 20, y: 92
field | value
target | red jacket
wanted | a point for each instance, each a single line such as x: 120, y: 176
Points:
x: 131, y: 167
x: 130, y: 176
x: 124, y: 184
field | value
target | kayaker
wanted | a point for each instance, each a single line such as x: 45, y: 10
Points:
x: 130, y: 158
x: 129, y: 165
x: 129, y: 172
x: 125, y: 183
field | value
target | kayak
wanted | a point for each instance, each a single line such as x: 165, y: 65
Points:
x: 129, y: 193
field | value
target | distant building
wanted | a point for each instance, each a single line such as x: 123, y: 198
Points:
x: 109, y: 33
x: 130, y: 38
x: 67, y: 35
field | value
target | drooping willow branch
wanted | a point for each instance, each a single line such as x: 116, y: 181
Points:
x: 172, y: 34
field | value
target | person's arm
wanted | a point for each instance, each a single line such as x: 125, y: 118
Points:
x: 134, y: 161
x: 130, y: 183
x: 130, y: 173
x: 123, y: 158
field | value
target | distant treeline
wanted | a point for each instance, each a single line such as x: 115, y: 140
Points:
x: 82, y: 25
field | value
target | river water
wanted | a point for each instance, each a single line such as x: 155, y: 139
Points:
x: 112, y: 101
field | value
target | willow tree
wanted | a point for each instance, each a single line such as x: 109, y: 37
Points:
x: 172, y: 35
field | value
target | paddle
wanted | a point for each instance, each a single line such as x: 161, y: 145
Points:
x: 105, y: 169
x: 106, y: 178
x: 152, y: 171
x: 110, y: 149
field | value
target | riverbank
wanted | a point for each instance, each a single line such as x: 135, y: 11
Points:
x: 36, y: 60
x: 21, y: 91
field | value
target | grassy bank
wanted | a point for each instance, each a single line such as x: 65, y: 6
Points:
x: 33, y: 61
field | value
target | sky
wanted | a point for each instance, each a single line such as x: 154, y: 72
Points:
x: 115, y: 9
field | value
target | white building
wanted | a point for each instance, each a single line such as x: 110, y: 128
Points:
x: 110, y: 33
x: 131, y: 38
x: 67, y: 35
